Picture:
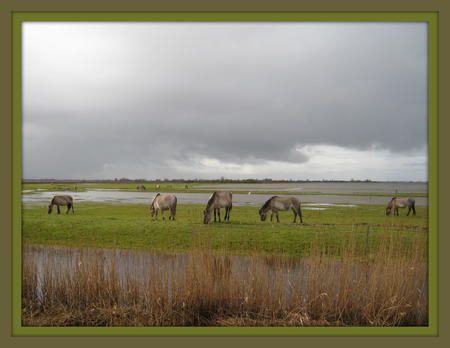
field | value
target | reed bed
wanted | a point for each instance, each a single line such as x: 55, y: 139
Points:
x: 368, y: 281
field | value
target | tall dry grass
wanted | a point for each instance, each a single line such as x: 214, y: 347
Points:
x: 360, y: 282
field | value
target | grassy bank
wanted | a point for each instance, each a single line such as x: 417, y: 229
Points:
x: 129, y: 226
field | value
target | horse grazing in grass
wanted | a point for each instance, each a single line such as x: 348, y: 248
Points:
x: 61, y: 201
x: 162, y: 203
x: 397, y: 202
x: 140, y: 188
x: 276, y: 204
x: 219, y: 199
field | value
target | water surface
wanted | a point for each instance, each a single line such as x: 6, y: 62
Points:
x: 117, y: 196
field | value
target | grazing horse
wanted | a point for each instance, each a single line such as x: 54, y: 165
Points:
x: 140, y: 188
x: 396, y: 203
x: 162, y: 203
x: 61, y: 201
x: 275, y: 204
x: 219, y: 199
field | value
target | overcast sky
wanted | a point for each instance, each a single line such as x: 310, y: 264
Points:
x: 239, y: 100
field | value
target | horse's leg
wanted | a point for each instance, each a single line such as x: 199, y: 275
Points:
x: 278, y: 219
x: 414, y: 209
x: 227, y: 213
x: 59, y: 211
x: 73, y: 211
x: 218, y: 213
x: 409, y: 210
x: 215, y: 214
x: 68, y: 208
x: 174, y: 212
x: 271, y: 217
x: 295, y: 215
x: 300, y: 214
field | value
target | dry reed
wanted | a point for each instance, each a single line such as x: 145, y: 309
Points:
x: 381, y: 282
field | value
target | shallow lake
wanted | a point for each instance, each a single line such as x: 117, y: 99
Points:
x: 117, y: 196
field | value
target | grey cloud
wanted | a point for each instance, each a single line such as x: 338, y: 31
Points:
x: 241, y: 93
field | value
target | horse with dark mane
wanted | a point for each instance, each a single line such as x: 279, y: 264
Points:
x: 397, y: 202
x: 162, y: 203
x: 219, y: 199
x: 276, y: 204
x: 61, y: 201
x: 140, y: 188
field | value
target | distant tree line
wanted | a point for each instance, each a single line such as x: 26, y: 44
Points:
x: 207, y: 181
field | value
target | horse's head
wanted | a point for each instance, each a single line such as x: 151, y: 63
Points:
x: 262, y: 215
x: 388, y: 210
x: 152, y: 210
x: 206, y: 216
x: 50, y: 208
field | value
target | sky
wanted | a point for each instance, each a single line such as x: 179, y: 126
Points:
x: 286, y: 100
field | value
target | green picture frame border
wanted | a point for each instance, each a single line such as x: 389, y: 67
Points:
x: 18, y: 18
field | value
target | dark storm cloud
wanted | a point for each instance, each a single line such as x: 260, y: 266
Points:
x: 101, y: 94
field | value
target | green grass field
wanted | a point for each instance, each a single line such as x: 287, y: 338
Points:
x: 129, y: 226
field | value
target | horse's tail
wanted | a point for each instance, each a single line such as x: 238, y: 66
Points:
x: 300, y: 211
x: 173, y: 208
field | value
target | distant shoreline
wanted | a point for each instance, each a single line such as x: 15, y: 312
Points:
x: 209, y: 181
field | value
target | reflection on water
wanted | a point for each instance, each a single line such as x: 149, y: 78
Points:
x: 138, y: 266
x: 289, y: 276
